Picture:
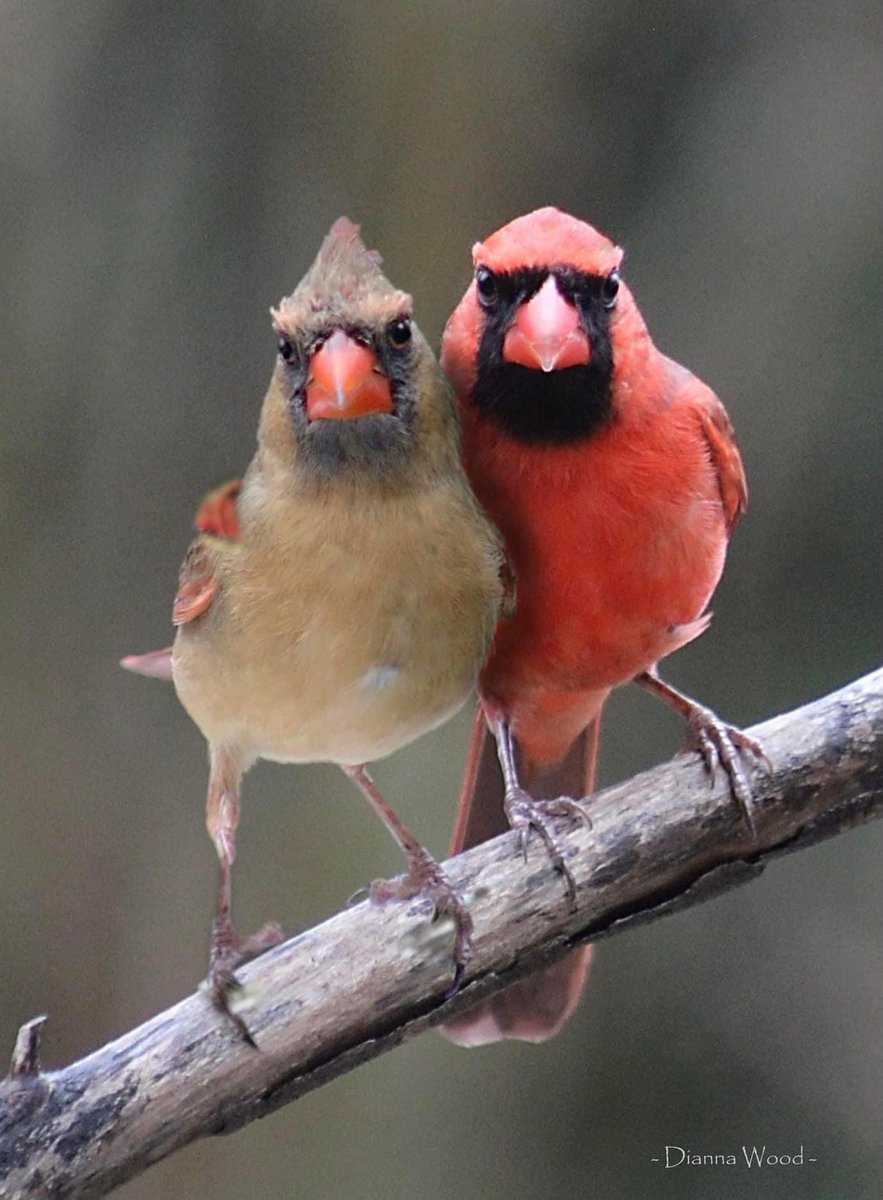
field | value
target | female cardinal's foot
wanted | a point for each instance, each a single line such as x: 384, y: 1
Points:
x: 426, y: 878
x: 228, y: 951
x: 524, y: 814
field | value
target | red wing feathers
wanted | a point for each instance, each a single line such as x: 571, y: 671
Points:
x: 721, y: 439
x: 197, y: 586
x: 217, y: 513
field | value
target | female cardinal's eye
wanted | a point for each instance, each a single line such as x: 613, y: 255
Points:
x: 610, y: 289
x: 286, y: 350
x: 398, y: 333
x: 486, y: 282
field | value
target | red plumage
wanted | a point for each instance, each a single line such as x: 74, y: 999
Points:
x: 617, y: 538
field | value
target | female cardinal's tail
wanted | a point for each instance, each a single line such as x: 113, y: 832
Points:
x: 535, y: 1008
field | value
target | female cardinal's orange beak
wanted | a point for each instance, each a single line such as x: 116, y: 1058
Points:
x: 346, y: 381
x: 546, y: 334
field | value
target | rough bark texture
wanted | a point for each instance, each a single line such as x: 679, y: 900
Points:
x: 360, y: 983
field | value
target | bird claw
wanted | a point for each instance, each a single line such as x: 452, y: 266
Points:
x: 563, y: 806
x: 229, y: 951
x: 524, y: 814
x: 724, y: 745
x: 522, y: 840
x: 364, y: 893
x: 426, y: 879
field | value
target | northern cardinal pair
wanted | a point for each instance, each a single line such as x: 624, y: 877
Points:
x: 341, y: 600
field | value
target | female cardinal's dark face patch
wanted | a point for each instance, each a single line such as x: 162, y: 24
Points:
x: 557, y: 406
x: 376, y: 444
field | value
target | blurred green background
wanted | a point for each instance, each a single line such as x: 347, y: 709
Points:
x: 168, y: 171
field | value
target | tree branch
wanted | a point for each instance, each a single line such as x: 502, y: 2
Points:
x: 371, y: 976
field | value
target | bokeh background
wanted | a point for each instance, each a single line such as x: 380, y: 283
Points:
x: 167, y: 173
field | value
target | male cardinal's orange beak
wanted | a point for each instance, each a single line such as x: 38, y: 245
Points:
x: 546, y: 334
x: 345, y: 381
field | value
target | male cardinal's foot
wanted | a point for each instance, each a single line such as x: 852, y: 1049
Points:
x: 719, y: 743
x: 426, y: 878
x: 524, y: 814
x: 227, y: 952
x: 716, y: 742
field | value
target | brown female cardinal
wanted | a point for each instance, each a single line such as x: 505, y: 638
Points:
x: 339, y: 602
x: 614, y: 477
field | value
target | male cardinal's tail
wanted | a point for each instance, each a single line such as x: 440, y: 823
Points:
x: 535, y: 1008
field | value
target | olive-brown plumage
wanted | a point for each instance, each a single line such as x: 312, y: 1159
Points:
x: 340, y: 604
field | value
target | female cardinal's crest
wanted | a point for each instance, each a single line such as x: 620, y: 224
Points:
x: 343, y: 270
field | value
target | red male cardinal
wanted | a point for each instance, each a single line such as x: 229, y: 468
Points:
x: 614, y: 476
x: 340, y: 604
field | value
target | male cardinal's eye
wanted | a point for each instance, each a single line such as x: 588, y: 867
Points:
x: 398, y: 333
x: 286, y: 350
x: 486, y: 282
x: 610, y: 289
